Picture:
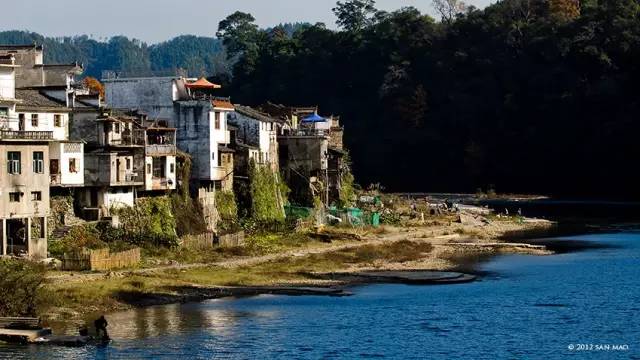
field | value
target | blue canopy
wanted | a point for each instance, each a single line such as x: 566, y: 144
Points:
x: 314, y: 118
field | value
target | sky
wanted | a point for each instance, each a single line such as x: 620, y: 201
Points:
x: 158, y: 20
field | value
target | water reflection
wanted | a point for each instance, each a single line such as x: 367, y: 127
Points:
x: 534, y: 309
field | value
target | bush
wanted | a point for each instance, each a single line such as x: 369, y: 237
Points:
x: 227, y: 210
x: 20, y: 287
x: 150, y: 221
x: 81, y: 236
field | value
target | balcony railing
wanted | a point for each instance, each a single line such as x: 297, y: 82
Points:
x: 306, y: 132
x: 56, y: 179
x: 26, y: 135
x: 160, y: 150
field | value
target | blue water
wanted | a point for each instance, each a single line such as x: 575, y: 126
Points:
x: 526, y: 307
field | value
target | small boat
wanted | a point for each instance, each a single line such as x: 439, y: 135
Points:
x: 71, y: 340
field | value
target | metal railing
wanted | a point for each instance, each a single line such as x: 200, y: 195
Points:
x: 26, y: 135
x: 160, y: 150
x: 306, y: 132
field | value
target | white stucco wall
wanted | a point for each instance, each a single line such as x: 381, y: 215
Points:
x: 45, y: 123
x: 117, y: 197
x: 7, y: 83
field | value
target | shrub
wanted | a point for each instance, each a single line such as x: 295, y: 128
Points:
x: 20, y: 287
x: 81, y: 236
x: 227, y: 210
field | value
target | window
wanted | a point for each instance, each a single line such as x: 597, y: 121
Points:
x: 36, y: 196
x: 148, y: 168
x: 213, y: 156
x: 73, y: 165
x: 54, y: 166
x: 128, y: 164
x: 38, y: 162
x: 4, y: 112
x: 172, y: 168
x: 15, y: 196
x: 57, y: 120
x: 34, y: 120
x: 116, y: 128
x: 13, y: 162
x: 217, y: 120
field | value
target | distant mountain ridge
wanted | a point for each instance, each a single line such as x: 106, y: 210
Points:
x: 198, y: 55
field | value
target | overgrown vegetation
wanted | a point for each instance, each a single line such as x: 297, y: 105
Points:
x: 227, y: 210
x: 268, y: 195
x: 20, y: 286
x: 150, y: 221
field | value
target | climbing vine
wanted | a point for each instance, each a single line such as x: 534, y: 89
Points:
x: 268, y: 194
x: 150, y: 220
x: 227, y: 209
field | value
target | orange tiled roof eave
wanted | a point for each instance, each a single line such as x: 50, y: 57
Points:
x: 203, y: 83
x: 222, y: 104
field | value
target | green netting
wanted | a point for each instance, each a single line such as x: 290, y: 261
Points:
x: 298, y: 212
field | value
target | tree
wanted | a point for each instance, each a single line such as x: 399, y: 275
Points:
x: 564, y: 10
x: 355, y: 15
x: 239, y: 33
x: 449, y: 9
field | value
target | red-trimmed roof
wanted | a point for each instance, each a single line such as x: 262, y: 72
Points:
x: 222, y: 104
x: 203, y: 83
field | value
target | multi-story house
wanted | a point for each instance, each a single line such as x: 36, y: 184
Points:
x: 199, y: 117
x: 255, y: 133
x: 24, y: 174
x: 47, y: 93
x: 311, y: 154
x: 126, y: 154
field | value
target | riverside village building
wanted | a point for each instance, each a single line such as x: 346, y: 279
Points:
x: 57, y: 138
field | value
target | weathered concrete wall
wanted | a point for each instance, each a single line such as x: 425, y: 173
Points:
x: 152, y: 95
x: 26, y: 182
x: 192, y: 119
x: 83, y: 126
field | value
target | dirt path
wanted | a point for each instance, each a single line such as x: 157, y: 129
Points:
x: 254, y: 260
x: 439, y: 235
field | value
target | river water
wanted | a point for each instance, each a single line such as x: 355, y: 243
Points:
x: 524, y: 307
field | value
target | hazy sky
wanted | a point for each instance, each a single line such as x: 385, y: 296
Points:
x: 158, y: 20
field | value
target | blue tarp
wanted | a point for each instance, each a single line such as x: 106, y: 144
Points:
x: 314, y: 118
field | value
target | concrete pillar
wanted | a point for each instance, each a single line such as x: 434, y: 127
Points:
x: 27, y: 241
x: 3, y: 236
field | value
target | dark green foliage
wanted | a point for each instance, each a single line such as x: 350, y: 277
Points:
x: 227, y: 210
x: 20, y: 287
x: 267, y: 198
x: 188, y: 216
x: 149, y: 222
x: 512, y: 95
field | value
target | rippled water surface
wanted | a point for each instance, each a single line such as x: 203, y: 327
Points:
x: 526, y: 307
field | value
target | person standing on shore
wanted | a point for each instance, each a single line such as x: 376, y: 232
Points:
x: 101, y: 328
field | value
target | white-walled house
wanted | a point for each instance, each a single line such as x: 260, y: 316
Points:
x: 39, y: 114
x: 24, y: 175
x: 199, y: 118
x: 257, y: 130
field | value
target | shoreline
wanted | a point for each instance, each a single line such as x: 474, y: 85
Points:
x: 322, y: 270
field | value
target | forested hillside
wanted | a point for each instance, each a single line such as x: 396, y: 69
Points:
x: 198, y: 55
x: 523, y: 96
x: 536, y: 96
